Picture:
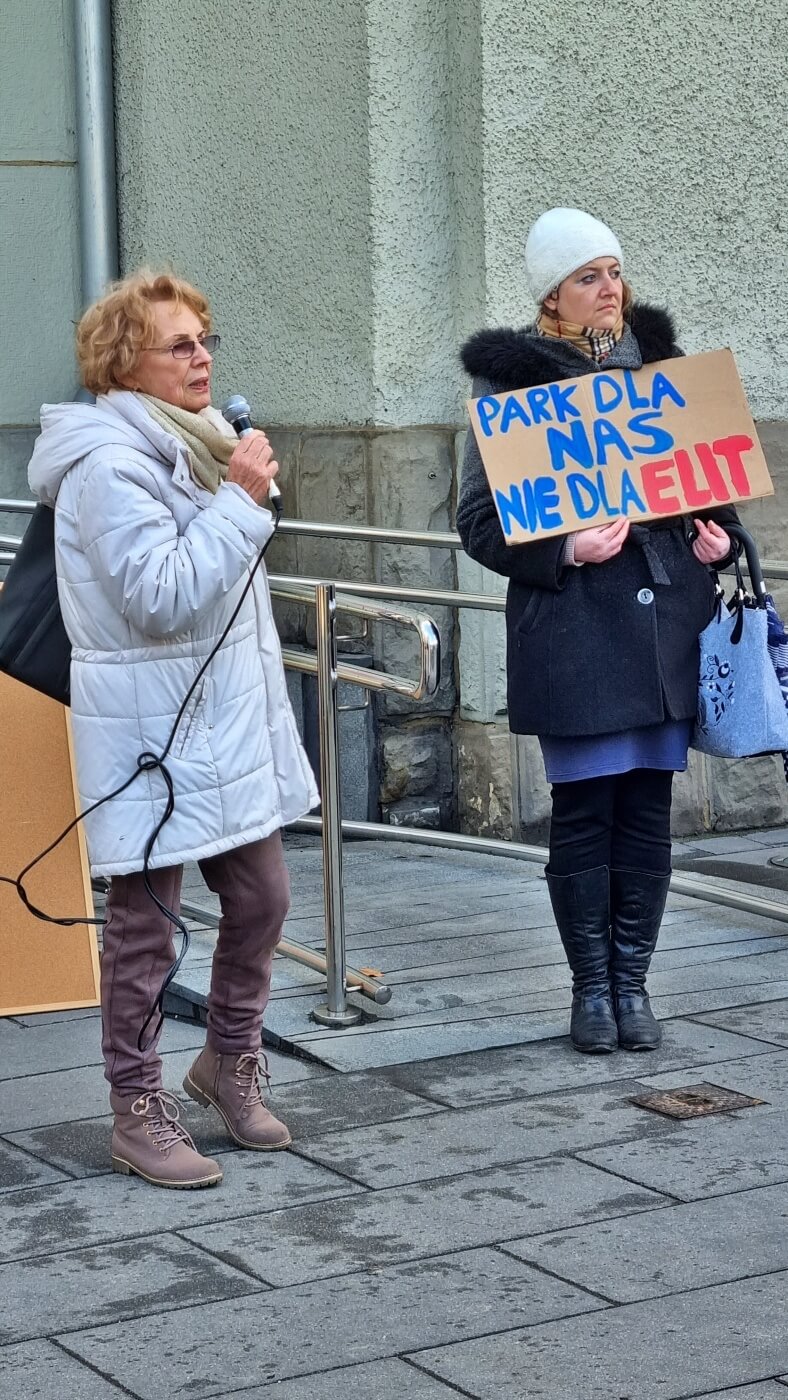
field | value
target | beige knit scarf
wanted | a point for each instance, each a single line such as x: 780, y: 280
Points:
x: 596, y: 344
x: 208, y: 449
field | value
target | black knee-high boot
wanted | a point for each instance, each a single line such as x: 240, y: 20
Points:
x: 581, y: 904
x: 637, y: 902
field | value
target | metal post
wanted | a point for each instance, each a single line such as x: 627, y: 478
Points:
x: 336, y: 1012
x: 95, y: 146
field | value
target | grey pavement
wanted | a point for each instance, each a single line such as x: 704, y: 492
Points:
x: 469, y: 1207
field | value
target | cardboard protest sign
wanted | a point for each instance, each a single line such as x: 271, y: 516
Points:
x: 672, y: 438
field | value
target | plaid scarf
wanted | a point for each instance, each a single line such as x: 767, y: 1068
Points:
x: 597, y: 345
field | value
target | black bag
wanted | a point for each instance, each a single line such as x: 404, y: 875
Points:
x: 34, y: 647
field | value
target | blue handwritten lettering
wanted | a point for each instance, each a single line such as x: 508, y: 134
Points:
x: 658, y: 442
x: 602, y: 489
x: 580, y: 486
x: 606, y: 402
x: 510, y: 508
x: 513, y: 412
x: 487, y: 410
x: 607, y: 435
x: 629, y: 495
x: 547, y: 503
x: 663, y: 389
x: 575, y: 444
x: 561, y: 395
x: 636, y: 400
x: 539, y: 404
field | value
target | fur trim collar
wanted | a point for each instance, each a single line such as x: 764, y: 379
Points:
x: 514, y: 359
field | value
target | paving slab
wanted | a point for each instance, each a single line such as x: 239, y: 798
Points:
x: 704, y: 1157
x: 292, y: 1332
x: 55, y: 1294
x: 478, y: 1139
x: 62, y: 1097
x: 67, y: 1215
x: 18, y: 1169
x: 64, y: 1045
x: 43, y: 1371
x: 51, y: 1018
x: 412, y: 1222
x: 688, y: 1246
x: 724, y: 845
x: 690, y: 1344
x: 417, y: 948
x: 766, y: 1022
x: 522, y: 1071
x: 379, y: 1380
x: 761, y: 1076
x: 402, y: 1045
x: 81, y: 1148
x: 322, y: 1103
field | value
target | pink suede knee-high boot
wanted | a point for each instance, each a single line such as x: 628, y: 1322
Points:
x: 254, y: 889
x: 148, y: 1138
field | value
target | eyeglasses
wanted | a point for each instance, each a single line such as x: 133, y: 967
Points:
x: 185, y: 349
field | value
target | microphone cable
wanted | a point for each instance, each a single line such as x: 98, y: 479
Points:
x: 148, y: 762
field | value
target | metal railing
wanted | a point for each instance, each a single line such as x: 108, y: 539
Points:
x: 358, y: 598
x: 324, y: 664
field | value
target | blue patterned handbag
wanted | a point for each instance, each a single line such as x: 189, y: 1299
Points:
x: 742, y: 708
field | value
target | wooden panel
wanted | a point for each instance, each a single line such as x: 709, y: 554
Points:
x: 42, y: 967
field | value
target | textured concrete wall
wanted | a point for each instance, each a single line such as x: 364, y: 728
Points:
x: 425, y: 204
x: 668, y: 122
x: 39, y: 255
x: 242, y: 135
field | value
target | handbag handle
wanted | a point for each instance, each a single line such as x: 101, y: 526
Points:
x: 743, y: 537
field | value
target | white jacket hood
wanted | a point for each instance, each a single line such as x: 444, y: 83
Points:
x: 71, y: 431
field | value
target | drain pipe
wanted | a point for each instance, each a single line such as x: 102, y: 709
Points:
x: 98, y: 211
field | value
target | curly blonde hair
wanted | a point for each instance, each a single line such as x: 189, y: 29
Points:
x: 119, y: 326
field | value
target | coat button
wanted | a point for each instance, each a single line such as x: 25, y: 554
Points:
x: 645, y: 596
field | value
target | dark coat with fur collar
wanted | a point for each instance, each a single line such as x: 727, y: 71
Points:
x: 600, y: 648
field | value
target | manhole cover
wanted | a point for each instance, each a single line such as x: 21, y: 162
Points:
x: 695, y: 1101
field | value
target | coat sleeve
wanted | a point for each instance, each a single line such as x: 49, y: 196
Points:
x: 539, y: 565
x: 159, y: 580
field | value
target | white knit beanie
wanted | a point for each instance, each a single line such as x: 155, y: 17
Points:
x: 561, y: 241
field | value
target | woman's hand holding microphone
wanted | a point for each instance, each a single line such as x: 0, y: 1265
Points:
x: 252, y: 466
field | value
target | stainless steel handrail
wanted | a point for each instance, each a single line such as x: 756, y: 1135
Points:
x: 286, y: 586
x: 693, y: 886
x: 428, y: 597
x: 306, y: 590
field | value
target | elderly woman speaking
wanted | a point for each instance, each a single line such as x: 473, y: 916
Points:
x: 159, y: 518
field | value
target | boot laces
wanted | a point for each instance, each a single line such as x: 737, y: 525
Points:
x: 162, y: 1115
x: 249, y: 1070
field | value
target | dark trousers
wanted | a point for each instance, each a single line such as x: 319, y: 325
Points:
x: 621, y: 820
x: 254, y: 892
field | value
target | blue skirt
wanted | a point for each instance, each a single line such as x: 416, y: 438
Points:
x: 599, y: 755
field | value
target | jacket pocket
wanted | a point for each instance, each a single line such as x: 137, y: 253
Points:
x: 190, y: 720
x: 531, y: 612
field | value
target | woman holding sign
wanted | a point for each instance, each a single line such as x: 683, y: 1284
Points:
x: 602, y: 638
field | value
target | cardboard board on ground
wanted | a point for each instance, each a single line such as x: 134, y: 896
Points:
x: 43, y: 967
x: 675, y: 437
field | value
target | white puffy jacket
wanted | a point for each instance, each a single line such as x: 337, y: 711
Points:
x: 150, y: 567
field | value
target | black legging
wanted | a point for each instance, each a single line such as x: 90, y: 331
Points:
x: 621, y: 820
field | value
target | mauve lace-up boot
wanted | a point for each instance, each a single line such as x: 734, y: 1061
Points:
x: 150, y: 1141
x: 231, y: 1085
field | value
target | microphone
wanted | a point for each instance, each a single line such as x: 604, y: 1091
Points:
x: 239, y: 415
